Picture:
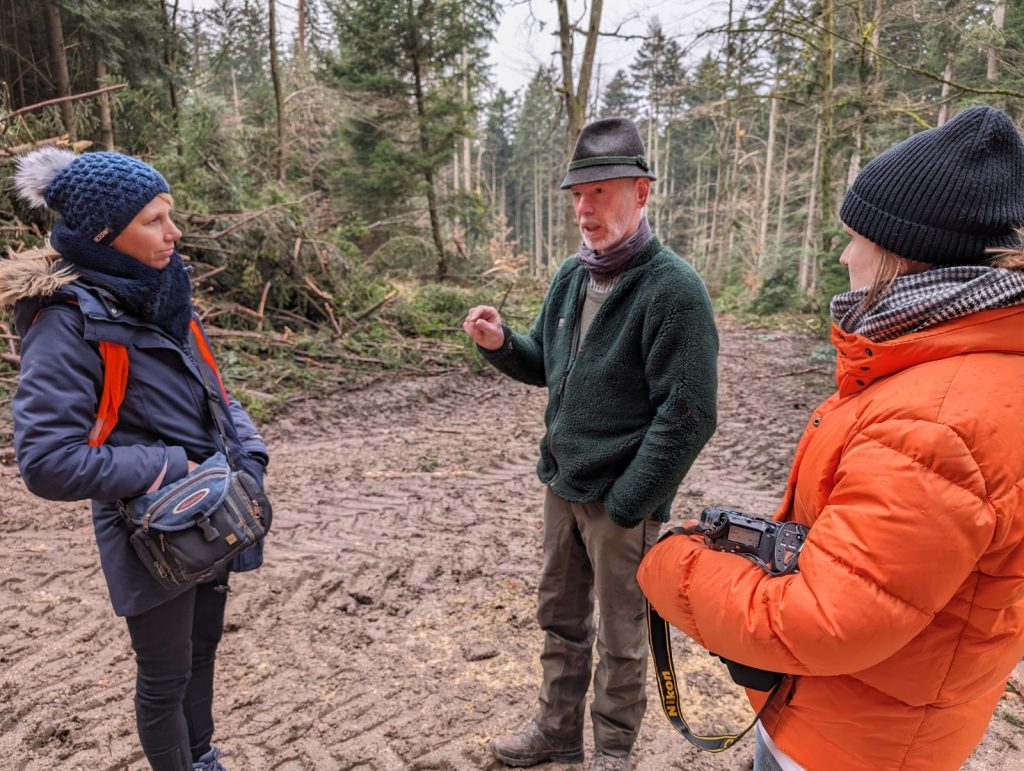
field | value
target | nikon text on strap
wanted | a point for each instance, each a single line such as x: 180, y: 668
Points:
x: 668, y: 689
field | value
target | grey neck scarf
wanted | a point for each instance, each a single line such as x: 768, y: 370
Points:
x: 613, y: 261
x: 923, y: 300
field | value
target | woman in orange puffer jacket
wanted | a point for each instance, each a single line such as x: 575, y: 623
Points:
x: 907, y: 615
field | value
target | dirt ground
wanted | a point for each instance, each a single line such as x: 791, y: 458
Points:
x: 393, y: 624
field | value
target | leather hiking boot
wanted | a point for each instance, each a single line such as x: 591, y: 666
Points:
x: 605, y: 761
x: 531, y: 746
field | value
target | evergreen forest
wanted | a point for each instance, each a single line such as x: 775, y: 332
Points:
x: 350, y: 182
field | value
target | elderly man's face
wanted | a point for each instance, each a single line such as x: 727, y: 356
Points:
x: 609, y: 211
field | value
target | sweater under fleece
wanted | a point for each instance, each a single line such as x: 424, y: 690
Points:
x: 629, y: 413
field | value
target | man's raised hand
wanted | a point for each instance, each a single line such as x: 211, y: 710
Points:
x: 483, y: 324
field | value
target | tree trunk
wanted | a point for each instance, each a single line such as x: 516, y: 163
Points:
x: 106, y: 122
x: 781, y: 206
x: 998, y: 20
x: 170, y: 24
x: 730, y: 218
x: 275, y: 75
x: 300, y: 40
x: 769, y: 162
x: 807, y: 248
x: 455, y: 167
x: 538, y: 222
x: 947, y: 75
x: 19, y: 73
x: 419, y: 72
x: 696, y: 220
x: 235, y: 101
x: 668, y: 185
x: 479, y: 187
x: 575, y: 94
x: 467, y: 142
x: 823, y: 145
x: 60, y: 63
x: 713, y: 250
x: 550, y: 261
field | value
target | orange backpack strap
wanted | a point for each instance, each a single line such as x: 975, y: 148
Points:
x: 115, y: 382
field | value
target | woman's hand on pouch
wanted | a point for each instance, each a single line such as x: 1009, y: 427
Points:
x: 159, y: 481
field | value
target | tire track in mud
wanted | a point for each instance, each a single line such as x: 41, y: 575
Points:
x: 393, y: 624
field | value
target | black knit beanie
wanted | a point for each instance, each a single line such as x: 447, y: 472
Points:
x: 945, y: 195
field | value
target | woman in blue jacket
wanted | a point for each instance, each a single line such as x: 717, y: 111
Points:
x: 113, y: 275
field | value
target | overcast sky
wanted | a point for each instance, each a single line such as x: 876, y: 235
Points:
x: 526, y: 36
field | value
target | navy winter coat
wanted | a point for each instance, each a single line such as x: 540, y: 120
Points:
x: 165, y: 416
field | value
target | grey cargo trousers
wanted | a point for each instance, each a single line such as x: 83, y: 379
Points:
x: 585, y: 552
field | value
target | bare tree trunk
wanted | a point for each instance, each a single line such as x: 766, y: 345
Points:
x: 713, y: 239
x: 55, y: 31
x: 538, y: 218
x: 730, y: 219
x: 503, y: 198
x: 106, y: 122
x: 170, y: 24
x: 455, y: 167
x: 707, y: 228
x: 19, y: 73
x: 467, y: 142
x: 780, y: 222
x: 947, y: 75
x: 575, y: 94
x: 696, y: 220
x: 419, y: 65
x: 300, y: 39
x: 823, y: 145
x: 235, y: 102
x: 480, y: 169
x: 769, y: 162
x: 807, y: 248
x: 668, y: 186
x: 550, y: 261
x: 275, y: 76
x: 998, y: 20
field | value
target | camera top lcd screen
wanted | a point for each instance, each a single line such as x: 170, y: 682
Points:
x: 744, y: 535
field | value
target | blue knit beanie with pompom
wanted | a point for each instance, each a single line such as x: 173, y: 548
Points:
x: 96, y: 194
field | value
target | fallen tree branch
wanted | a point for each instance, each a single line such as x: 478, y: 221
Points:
x: 308, y: 280
x: 376, y: 306
x: 263, y: 299
x: 209, y: 273
x: 255, y: 215
x: 59, y: 141
x: 58, y: 100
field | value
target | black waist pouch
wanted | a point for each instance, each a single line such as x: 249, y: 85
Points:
x: 189, y: 531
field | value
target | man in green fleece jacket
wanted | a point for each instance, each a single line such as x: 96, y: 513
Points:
x: 626, y: 345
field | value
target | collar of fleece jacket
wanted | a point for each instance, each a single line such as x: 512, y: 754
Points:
x: 860, y: 362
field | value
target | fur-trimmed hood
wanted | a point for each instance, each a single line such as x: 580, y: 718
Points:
x: 33, y: 274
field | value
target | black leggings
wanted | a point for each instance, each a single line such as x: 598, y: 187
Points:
x: 175, y: 647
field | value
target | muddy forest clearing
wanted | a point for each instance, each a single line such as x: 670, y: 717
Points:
x: 393, y: 624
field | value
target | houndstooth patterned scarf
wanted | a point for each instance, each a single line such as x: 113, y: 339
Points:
x: 923, y: 300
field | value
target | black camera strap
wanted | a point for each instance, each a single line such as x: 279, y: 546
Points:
x: 668, y: 689
x: 218, y: 410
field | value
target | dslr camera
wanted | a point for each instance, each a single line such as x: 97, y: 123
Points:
x: 773, y: 546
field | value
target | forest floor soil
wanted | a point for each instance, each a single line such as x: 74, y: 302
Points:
x: 392, y: 626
